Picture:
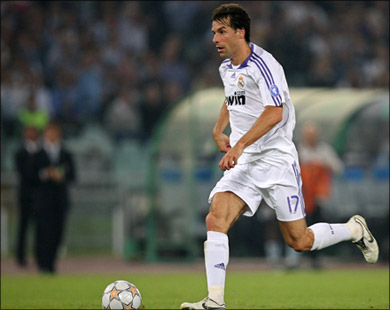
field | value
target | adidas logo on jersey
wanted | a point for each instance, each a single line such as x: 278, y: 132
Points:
x: 220, y: 266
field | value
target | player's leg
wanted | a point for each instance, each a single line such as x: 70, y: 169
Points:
x: 286, y: 198
x: 321, y: 235
x: 225, y: 209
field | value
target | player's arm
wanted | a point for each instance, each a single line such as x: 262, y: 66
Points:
x: 267, y: 120
x: 220, y: 138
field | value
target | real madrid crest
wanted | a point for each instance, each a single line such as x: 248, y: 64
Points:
x: 241, y: 82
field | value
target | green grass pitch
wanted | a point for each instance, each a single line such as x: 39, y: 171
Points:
x: 326, y: 289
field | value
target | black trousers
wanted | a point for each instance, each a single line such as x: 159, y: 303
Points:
x: 50, y: 222
x: 25, y: 215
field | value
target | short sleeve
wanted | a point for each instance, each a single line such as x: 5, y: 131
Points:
x: 271, y: 85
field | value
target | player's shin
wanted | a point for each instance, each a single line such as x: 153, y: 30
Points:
x: 216, y: 251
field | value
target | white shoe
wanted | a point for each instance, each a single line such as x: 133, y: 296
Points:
x: 367, y: 244
x: 206, y: 303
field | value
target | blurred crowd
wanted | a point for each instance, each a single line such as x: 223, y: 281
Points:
x: 123, y: 63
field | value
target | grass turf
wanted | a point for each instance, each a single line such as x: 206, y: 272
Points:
x: 335, y: 289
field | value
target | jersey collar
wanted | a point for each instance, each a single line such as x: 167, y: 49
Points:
x: 245, y: 62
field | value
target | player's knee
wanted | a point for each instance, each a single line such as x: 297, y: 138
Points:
x: 211, y: 221
x: 214, y: 222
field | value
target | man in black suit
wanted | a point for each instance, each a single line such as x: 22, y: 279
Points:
x: 27, y: 188
x: 55, y: 170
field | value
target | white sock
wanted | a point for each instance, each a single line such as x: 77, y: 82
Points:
x: 216, y: 254
x: 328, y: 234
x: 356, y: 231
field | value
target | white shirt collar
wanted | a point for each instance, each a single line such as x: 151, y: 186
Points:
x: 31, y: 146
x: 53, y: 149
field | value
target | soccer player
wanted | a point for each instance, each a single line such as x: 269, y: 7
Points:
x: 261, y: 161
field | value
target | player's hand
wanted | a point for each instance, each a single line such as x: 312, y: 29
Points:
x: 223, y: 142
x: 230, y: 159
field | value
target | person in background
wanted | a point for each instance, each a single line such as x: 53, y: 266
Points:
x: 27, y: 187
x: 32, y: 115
x: 54, y: 169
x: 318, y: 162
x: 123, y: 117
x: 152, y: 107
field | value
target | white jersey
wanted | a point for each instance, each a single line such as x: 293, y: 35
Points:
x: 258, y: 82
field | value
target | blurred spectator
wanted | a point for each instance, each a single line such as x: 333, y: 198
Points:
x: 27, y: 187
x: 172, y: 68
x: 112, y: 54
x: 321, y: 73
x: 318, y: 162
x: 152, y: 106
x: 65, y: 96
x: 150, y: 68
x: 32, y: 115
x: 172, y: 91
x: 55, y: 170
x: 8, y: 106
x: 43, y: 95
x: 131, y: 21
x: 15, y: 93
x: 123, y: 118
x: 127, y: 73
x: 90, y: 85
x: 180, y: 22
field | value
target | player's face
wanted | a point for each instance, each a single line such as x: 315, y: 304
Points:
x: 226, y: 39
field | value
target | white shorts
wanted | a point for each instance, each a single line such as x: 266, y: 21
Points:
x: 277, y: 182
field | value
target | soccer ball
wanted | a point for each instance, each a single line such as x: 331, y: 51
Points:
x: 121, y: 295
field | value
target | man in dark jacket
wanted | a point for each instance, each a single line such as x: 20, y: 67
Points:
x: 27, y: 188
x: 55, y: 170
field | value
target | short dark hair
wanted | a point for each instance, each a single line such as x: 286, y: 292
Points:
x: 236, y: 15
